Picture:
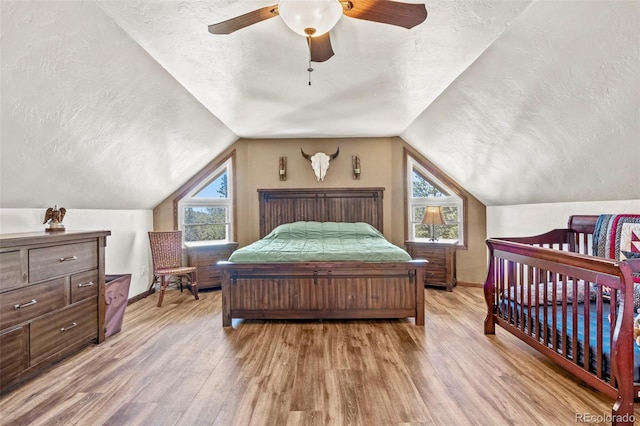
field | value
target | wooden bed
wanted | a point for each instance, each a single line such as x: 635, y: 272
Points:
x: 530, y: 289
x: 321, y: 290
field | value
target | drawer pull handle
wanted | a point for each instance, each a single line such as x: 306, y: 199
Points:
x: 66, y: 259
x: 18, y: 306
x: 73, y: 324
x: 89, y: 284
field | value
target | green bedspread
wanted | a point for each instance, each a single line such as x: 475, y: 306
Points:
x: 321, y: 241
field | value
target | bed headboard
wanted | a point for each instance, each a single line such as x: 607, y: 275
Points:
x: 278, y: 206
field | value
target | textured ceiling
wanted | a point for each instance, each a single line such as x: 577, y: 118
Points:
x: 518, y: 101
x: 255, y: 80
x: 549, y: 113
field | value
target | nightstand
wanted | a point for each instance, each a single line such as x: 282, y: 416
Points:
x: 441, y: 269
x: 205, y: 258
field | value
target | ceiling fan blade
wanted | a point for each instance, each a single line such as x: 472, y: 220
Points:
x: 239, y: 22
x: 320, y: 48
x: 406, y: 15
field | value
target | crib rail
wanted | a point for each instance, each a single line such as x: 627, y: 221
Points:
x: 575, y: 309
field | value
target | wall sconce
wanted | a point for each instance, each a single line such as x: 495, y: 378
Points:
x: 355, y: 160
x: 282, y: 168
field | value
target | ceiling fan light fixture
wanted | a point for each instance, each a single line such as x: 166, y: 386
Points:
x: 310, y: 18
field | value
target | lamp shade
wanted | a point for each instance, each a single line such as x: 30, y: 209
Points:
x: 310, y: 17
x: 433, y: 216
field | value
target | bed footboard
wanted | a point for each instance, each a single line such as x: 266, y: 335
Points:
x: 322, y: 290
x: 573, y: 308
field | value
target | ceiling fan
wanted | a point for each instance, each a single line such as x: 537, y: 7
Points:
x: 314, y: 19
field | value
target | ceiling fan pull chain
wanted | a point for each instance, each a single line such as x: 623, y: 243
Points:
x: 309, y: 69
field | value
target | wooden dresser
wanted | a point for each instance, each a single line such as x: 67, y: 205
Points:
x: 51, y: 289
x: 441, y: 269
x: 205, y: 258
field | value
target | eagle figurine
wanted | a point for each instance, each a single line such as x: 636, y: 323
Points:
x: 54, y: 217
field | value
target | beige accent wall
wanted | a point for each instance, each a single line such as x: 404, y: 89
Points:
x: 472, y: 262
x: 382, y: 165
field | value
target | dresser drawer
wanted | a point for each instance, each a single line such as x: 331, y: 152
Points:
x: 209, y: 274
x: 49, y: 262
x: 435, y: 275
x: 434, y: 264
x: 210, y: 258
x: 84, y: 285
x: 26, y: 303
x: 54, y: 333
x: 431, y: 255
x: 14, y: 354
x: 11, y: 273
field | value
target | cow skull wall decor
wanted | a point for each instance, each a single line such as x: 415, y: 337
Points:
x: 320, y: 162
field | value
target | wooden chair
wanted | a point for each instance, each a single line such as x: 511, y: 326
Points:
x: 166, y: 252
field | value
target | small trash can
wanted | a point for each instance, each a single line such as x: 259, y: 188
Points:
x: 116, y: 295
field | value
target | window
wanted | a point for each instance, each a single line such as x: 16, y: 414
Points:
x: 425, y: 189
x: 205, y: 212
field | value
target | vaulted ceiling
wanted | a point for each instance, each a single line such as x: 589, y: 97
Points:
x: 112, y: 104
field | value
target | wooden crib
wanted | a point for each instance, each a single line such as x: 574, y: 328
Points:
x: 543, y: 288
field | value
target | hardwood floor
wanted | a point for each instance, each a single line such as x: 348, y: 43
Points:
x: 176, y: 365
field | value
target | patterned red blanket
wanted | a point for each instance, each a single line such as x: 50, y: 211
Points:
x: 617, y: 236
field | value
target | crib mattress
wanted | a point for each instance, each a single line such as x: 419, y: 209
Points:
x: 537, y: 312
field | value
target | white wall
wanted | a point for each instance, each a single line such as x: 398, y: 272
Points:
x: 127, y: 250
x: 532, y: 219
